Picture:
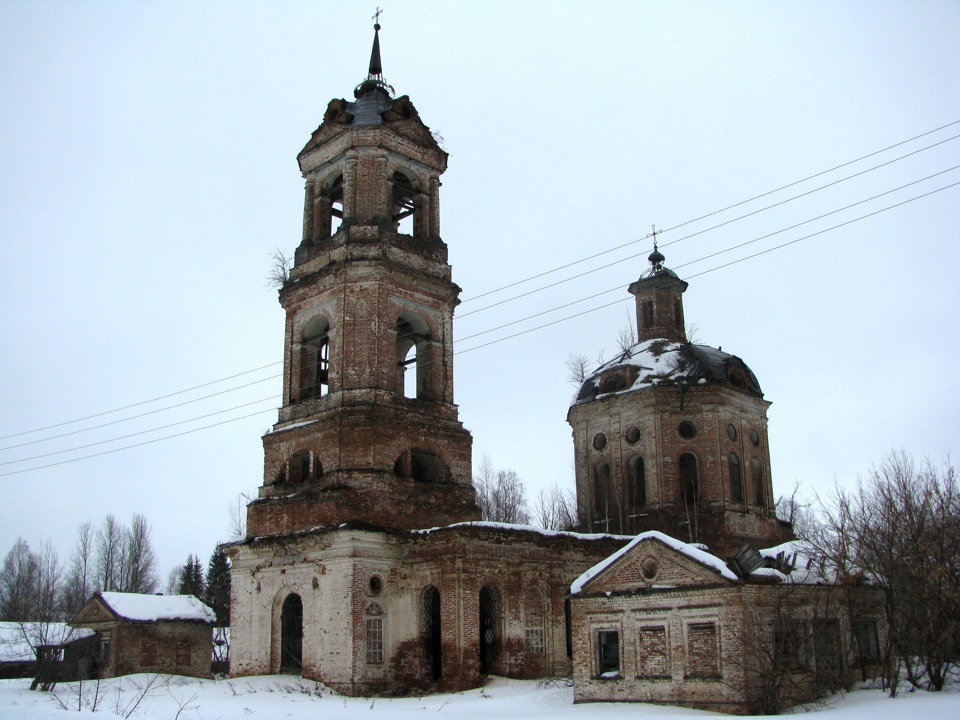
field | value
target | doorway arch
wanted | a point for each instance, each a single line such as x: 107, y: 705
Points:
x: 291, y: 635
x: 430, y: 620
x: 489, y: 629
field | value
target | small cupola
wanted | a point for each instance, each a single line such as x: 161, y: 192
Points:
x: 659, y: 294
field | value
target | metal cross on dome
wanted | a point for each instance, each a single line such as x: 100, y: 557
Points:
x: 376, y: 16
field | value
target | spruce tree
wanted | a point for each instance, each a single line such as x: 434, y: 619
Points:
x: 191, y: 578
x: 217, y: 592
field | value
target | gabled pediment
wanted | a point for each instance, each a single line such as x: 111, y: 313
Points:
x: 92, y: 612
x: 654, y: 561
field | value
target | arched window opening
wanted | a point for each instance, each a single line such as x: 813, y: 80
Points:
x: 648, y: 314
x: 291, y: 634
x: 533, y: 618
x: 315, y: 359
x: 604, y: 508
x: 299, y: 467
x: 756, y: 471
x: 428, y: 467
x: 689, y: 480
x: 489, y: 629
x: 636, y: 487
x: 413, y: 357
x: 333, y: 199
x: 430, y: 630
x: 736, y: 481
x: 404, y: 204
x: 374, y: 634
x: 678, y: 314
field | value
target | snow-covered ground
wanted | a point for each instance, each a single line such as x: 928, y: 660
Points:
x: 280, y: 697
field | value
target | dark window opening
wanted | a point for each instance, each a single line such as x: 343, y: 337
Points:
x: 427, y: 467
x: 648, y: 314
x: 599, y: 442
x: 604, y: 517
x: 291, y: 635
x: 828, y: 657
x: 756, y: 471
x: 633, y: 435
x: 678, y: 314
x: 867, y: 641
x: 430, y: 620
x: 489, y: 630
x: 689, y: 480
x: 687, y: 430
x: 637, y: 483
x: 732, y: 432
x: 608, y: 653
x: 299, y: 467
x: 790, y: 645
x: 736, y: 482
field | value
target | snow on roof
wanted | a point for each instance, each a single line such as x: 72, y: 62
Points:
x: 694, y: 553
x: 524, y: 528
x: 150, y: 608
x: 661, y: 361
x: 18, y: 640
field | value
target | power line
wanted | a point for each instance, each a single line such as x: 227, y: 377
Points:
x: 145, y: 442
x: 136, y: 404
x: 151, y: 412
x: 728, y: 207
x: 631, y: 257
x: 142, y: 432
x: 704, y: 272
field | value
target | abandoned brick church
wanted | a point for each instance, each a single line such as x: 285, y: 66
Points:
x: 365, y: 565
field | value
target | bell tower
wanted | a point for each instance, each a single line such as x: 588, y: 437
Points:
x: 368, y: 431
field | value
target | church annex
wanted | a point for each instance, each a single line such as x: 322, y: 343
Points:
x: 365, y: 564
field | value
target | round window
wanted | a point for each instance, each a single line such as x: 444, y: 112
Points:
x: 633, y: 435
x: 687, y: 430
x: 376, y: 584
x: 599, y: 441
x: 649, y: 568
x: 754, y: 438
x: 732, y: 432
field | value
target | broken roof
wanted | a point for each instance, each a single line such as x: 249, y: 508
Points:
x: 661, y: 362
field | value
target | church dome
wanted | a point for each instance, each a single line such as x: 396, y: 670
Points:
x: 662, y: 362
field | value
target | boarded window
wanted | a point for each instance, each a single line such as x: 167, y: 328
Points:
x: 374, y: 633
x: 608, y: 653
x: 702, y: 657
x: 653, y: 652
x: 533, y: 621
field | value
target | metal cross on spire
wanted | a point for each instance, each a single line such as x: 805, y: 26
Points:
x: 376, y: 16
x: 656, y: 257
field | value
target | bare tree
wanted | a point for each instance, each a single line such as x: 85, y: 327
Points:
x: 79, y: 582
x: 627, y: 337
x: 110, y: 554
x: 172, y: 585
x: 279, y: 269
x: 556, y: 509
x: 18, y: 582
x: 141, y: 561
x: 900, y: 529
x: 577, y: 367
x: 238, y: 515
x: 49, y: 586
x: 500, y: 494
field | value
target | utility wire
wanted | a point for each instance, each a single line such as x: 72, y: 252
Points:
x: 704, y: 272
x: 142, y: 432
x: 134, y: 417
x: 728, y: 207
x: 524, y: 280
x: 632, y: 257
x: 136, y: 404
x: 128, y: 447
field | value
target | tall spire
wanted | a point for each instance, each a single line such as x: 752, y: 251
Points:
x: 374, y: 79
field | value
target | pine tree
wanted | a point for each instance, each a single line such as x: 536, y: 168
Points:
x: 217, y: 592
x: 191, y: 578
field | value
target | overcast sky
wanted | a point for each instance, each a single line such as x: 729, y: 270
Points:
x: 148, y: 169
